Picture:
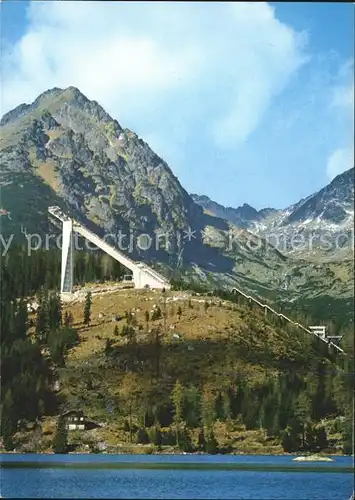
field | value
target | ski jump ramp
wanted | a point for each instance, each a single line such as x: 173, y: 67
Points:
x: 143, y: 275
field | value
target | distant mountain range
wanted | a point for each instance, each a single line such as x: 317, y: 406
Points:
x: 326, y: 216
x: 66, y: 150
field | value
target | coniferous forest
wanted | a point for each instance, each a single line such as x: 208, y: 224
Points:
x: 166, y: 396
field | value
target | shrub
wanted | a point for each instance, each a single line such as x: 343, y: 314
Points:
x: 155, y: 436
x: 211, y: 445
x: 156, y: 314
x: 142, y: 437
x: 60, y: 440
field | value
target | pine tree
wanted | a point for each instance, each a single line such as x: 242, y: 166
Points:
x: 272, y: 409
x: 130, y: 390
x: 156, y: 350
x: 290, y: 440
x: 220, y: 407
x: 321, y: 441
x: 310, y: 437
x: 185, y: 443
x: 208, y: 410
x: 177, y: 397
x: 87, y: 309
x: 192, y: 406
x: 20, y: 321
x: 142, y: 437
x: 201, y: 439
x: 211, y: 445
x: 156, y: 314
x: 108, y: 347
x: 55, y: 311
x: 250, y: 406
x: 60, y: 440
x: 42, y: 319
x: 132, y: 346
x: 60, y: 341
x: 302, y: 416
x: 117, y: 270
x: 66, y: 319
x: 155, y: 436
x: 8, y: 425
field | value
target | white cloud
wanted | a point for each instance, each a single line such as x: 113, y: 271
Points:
x: 344, y: 97
x: 340, y: 161
x: 114, y: 68
x: 342, y: 93
x: 149, y: 63
x: 342, y: 108
x: 267, y: 54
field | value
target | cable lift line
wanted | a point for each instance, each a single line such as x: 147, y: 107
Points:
x: 318, y: 331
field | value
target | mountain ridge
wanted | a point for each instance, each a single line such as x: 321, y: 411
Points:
x: 330, y: 209
x: 67, y: 148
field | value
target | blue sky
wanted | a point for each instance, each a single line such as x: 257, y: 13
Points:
x: 247, y: 102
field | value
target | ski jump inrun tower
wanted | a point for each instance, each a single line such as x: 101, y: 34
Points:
x: 143, y: 275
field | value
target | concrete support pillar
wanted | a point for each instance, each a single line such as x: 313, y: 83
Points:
x: 66, y: 283
x: 137, y: 278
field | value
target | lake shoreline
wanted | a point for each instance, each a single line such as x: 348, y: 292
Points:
x: 177, y: 453
x: 175, y: 476
x: 176, y: 465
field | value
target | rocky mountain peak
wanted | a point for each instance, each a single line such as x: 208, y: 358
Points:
x: 247, y: 212
x: 333, y: 203
x: 330, y: 212
x: 100, y: 170
x: 242, y: 216
x: 60, y: 103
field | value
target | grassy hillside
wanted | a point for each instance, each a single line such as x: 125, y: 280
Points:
x: 237, y: 370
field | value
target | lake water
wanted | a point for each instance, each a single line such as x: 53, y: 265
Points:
x: 174, y: 477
